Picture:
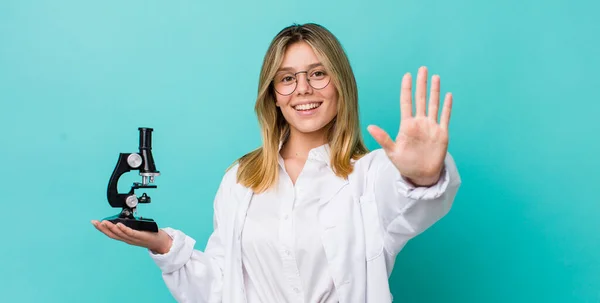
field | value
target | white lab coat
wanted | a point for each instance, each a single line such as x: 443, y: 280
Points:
x: 365, y: 221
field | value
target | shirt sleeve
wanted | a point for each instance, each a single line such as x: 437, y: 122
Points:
x: 405, y: 210
x: 192, y: 275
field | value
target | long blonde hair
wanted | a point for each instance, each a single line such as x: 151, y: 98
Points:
x: 258, y: 169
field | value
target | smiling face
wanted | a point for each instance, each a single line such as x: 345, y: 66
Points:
x: 310, y: 107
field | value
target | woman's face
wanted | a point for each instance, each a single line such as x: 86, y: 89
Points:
x: 307, y: 109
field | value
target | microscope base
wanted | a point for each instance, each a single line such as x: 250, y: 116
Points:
x: 138, y: 223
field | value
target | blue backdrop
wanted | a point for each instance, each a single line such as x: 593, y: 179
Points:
x: 77, y: 78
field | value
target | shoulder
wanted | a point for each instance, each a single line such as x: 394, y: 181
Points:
x: 230, y: 190
x: 367, y: 167
x: 230, y: 176
x: 370, y: 160
x: 229, y: 181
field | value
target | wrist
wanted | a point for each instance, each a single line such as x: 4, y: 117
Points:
x: 164, y: 244
x: 424, y: 181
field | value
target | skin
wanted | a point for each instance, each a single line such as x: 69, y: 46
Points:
x: 306, y: 133
x: 159, y: 242
x: 418, y: 151
x: 422, y: 141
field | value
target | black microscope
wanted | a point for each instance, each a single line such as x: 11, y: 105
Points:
x: 144, y: 162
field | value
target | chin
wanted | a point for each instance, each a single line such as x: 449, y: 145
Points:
x: 309, y: 128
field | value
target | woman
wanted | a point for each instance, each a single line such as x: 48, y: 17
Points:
x: 312, y: 215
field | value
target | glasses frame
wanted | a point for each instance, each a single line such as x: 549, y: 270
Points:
x: 296, y: 83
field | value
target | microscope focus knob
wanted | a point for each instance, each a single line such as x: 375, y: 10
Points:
x: 131, y: 201
x: 134, y: 160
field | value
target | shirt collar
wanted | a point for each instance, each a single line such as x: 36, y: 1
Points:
x: 320, y: 153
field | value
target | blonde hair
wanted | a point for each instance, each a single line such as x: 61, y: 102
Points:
x: 258, y: 169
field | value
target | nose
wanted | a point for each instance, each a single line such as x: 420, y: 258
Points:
x: 303, y: 87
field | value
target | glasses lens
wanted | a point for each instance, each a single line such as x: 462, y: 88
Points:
x: 285, y: 84
x: 318, y: 79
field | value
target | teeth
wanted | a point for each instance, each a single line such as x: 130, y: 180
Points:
x: 307, y: 106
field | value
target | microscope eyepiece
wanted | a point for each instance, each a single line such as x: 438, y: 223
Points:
x: 149, y: 168
x: 145, y: 138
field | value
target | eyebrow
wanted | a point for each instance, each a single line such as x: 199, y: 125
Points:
x: 292, y: 69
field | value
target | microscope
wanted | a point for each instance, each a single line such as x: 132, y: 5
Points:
x: 144, y: 163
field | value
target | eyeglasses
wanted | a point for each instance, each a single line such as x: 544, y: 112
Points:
x: 285, y: 83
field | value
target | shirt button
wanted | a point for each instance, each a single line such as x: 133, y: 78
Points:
x: 285, y: 217
x: 287, y: 252
x: 296, y: 289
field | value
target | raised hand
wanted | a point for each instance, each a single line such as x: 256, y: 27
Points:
x: 422, y: 142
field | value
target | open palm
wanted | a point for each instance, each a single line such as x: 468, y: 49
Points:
x: 422, y: 142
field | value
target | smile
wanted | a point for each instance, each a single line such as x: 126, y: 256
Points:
x: 308, y: 106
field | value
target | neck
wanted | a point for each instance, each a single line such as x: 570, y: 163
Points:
x: 299, y: 144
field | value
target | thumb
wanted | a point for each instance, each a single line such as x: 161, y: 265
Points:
x: 382, y: 138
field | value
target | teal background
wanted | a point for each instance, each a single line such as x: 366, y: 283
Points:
x: 77, y: 78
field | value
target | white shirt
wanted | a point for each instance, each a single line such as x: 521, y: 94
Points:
x: 282, y: 253
x: 363, y: 222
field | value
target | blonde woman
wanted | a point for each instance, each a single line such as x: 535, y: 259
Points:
x: 312, y: 215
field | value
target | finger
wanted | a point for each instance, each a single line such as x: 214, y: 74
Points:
x: 112, y: 229
x: 101, y: 226
x: 116, y: 229
x: 420, y: 94
x: 445, y: 118
x: 136, y: 235
x: 405, y: 97
x: 434, y: 98
x: 382, y: 138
